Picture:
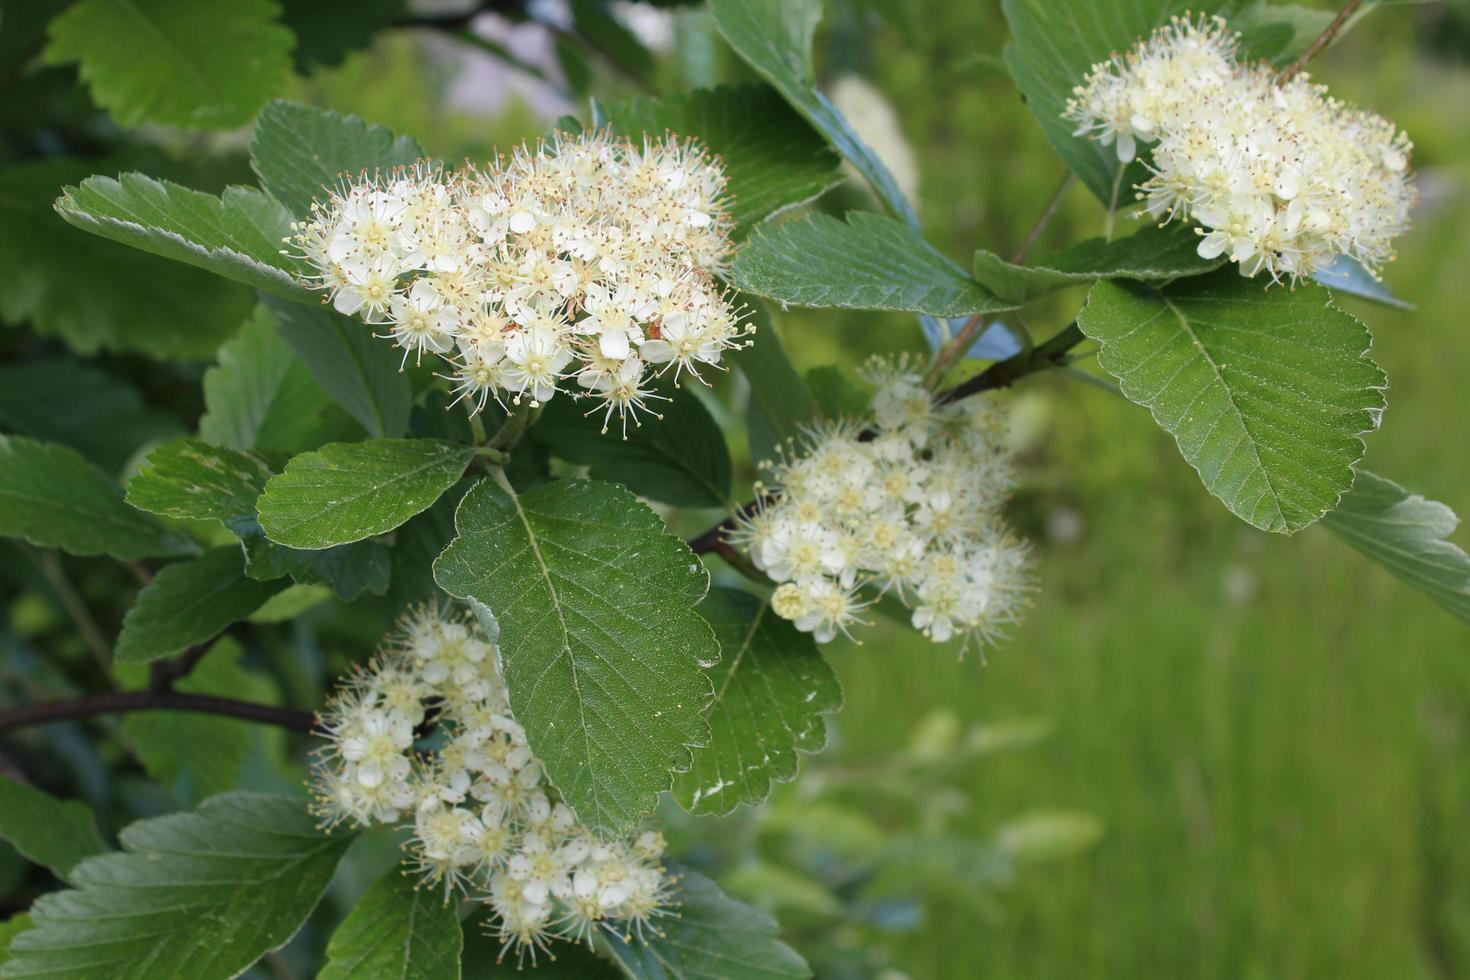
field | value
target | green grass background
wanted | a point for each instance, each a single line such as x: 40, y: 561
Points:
x: 1273, y: 731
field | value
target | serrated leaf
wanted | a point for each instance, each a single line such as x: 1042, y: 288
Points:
x: 775, y: 38
x: 131, y: 301
x: 347, y: 491
x: 203, y: 64
x: 53, y: 498
x: 298, y: 150
x: 772, y: 688
x: 1054, y: 43
x: 780, y: 402
x: 57, y: 834
x: 189, y: 602
x: 773, y: 158
x: 713, y: 937
x: 1406, y: 534
x: 397, y: 931
x: 680, y: 459
x: 260, y: 395
x: 196, y: 896
x: 12, y: 927
x: 237, y: 235
x: 196, y: 755
x: 198, y: 481
x: 868, y: 262
x: 360, y: 372
x: 38, y: 398
x: 603, y: 653
x: 1152, y: 254
x: 1266, y: 390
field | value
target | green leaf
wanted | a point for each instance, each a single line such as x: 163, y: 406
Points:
x: 1266, y: 390
x: 238, y: 235
x: 680, y: 459
x: 201, y: 482
x: 780, y: 402
x: 347, y: 491
x: 360, y: 372
x: 196, y: 481
x: 53, y: 498
x: 260, y: 395
x: 38, y: 398
x: 298, y: 150
x: 54, y: 833
x: 397, y: 931
x: 773, y: 158
x: 602, y: 650
x: 868, y: 262
x: 416, y: 545
x: 189, y: 602
x: 1152, y: 254
x: 196, y: 896
x: 12, y: 927
x: 713, y: 937
x: 327, y: 30
x: 607, y: 36
x: 1346, y: 276
x: 201, y: 64
x: 1282, y: 32
x: 1055, y: 43
x: 131, y: 301
x: 1406, y: 534
x: 196, y: 755
x: 775, y: 38
x: 836, y: 395
x: 484, y: 957
x: 772, y: 688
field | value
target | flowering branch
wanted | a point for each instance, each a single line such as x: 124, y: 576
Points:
x: 124, y: 702
x: 1323, y: 40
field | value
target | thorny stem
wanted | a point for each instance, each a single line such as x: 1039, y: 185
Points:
x: 1002, y: 374
x: 123, y: 702
x: 1325, y: 38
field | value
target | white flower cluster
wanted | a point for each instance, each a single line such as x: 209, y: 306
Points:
x: 483, y: 818
x: 1280, y: 176
x: 587, y: 258
x: 906, y: 501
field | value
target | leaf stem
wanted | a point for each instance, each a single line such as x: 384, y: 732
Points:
x: 521, y: 418
x: 124, y: 702
x: 49, y: 563
x: 1034, y: 235
x: 1110, y: 221
x: 1323, y: 40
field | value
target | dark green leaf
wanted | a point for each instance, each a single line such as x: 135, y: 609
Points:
x: 680, y: 459
x: 1345, y: 275
x: 9, y: 929
x: 780, y: 403
x: 1152, y: 254
x: 483, y: 957
x: 416, y: 545
x: 1282, y: 32
x: 53, y: 498
x: 1406, y: 534
x: 608, y: 37
x: 131, y: 301
x: 397, y: 931
x: 238, y: 235
x: 350, y: 569
x: 772, y: 688
x: 1266, y: 390
x: 260, y: 395
x: 198, y: 755
x: 189, y: 602
x: 327, y: 30
x: 868, y: 262
x: 201, y: 64
x: 197, y: 896
x: 359, y: 371
x: 39, y: 399
x: 603, y: 652
x: 54, y: 833
x: 773, y: 158
x: 347, y: 491
x: 714, y: 937
x: 197, y: 481
x: 298, y: 150
x: 837, y: 396
x: 775, y: 38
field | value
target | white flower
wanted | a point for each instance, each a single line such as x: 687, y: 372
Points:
x: 1281, y: 177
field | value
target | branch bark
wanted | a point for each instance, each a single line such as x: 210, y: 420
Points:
x: 124, y: 702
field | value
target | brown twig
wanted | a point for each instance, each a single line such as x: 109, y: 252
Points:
x: 124, y: 702
x: 1325, y: 38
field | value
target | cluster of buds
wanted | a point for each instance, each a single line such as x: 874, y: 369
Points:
x: 905, y: 501
x: 585, y: 264
x: 424, y: 735
x: 1274, y: 173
